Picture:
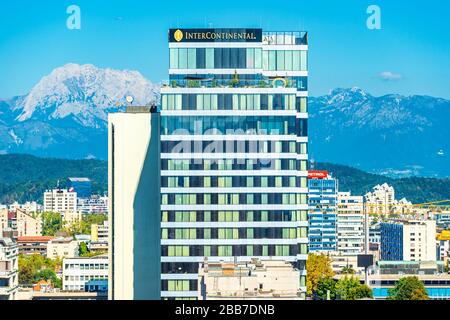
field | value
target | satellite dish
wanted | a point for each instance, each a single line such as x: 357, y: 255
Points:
x: 130, y: 99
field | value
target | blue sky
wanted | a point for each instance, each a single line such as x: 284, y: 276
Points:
x: 412, y: 49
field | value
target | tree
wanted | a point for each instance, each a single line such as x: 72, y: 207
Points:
x: 30, y: 267
x: 350, y: 288
x: 326, y: 285
x: 318, y: 266
x: 83, y: 249
x: 347, y: 270
x: 51, y: 223
x: 408, y: 288
x: 48, y: 274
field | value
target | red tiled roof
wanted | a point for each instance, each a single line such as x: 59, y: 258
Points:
x: 35, y: 239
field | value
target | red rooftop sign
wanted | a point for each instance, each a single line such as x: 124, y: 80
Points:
x: 317, y: 174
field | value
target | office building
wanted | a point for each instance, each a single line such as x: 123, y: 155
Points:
x: 86, y: 274
x: 322, y: 215
x: 134, y: 207
x: 351, y: 224
x: 9, y: 269
x: 408, y: 240
x: 267, y: 279
x: 60, y: 200
x: 234, y: 152
x: 62, y: 248
x: 82, y: 186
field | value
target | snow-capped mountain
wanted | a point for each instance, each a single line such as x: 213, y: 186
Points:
x: 65, y: 114
x: 392, y: 134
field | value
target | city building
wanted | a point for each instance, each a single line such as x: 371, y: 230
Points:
x: 442, y: 219
x: 381, y: 199
x: 408, y: 240
x: 70, y: 218
x: 33, y: 245
x: 4, y: 220
x: 27, y: 225
x: 62, y: 248
x: 233, y: 152
x: 322, y: 215
x: 375, y: 233
x: 134, y: 206
x: 86, y: 274
x: 60, y: 200
x: 99, y: 233
x: 340, y: 263
x: 443, y: 245
x: 28, y: 207
x: 9, y: 269
x: 385, y: 274
x: 94, y: 204
x: 82, y: 186
x: 352, y: 225
x: 267, y: 279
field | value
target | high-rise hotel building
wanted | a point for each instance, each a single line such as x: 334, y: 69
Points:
x: 233, y: 152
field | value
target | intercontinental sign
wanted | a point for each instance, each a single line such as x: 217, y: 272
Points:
x: 215, y: 35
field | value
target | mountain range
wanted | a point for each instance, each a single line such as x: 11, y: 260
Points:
x: 65, y: 116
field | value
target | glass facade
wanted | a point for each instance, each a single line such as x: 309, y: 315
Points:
x: 322, y: 216
x: 234, y: 153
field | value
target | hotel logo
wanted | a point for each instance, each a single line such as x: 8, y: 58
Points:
x: 215, y: 35
x: 178, y: 35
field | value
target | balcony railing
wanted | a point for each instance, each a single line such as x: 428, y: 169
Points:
x: 218, y: 83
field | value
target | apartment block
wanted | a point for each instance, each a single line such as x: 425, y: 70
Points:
x: 408, y: 240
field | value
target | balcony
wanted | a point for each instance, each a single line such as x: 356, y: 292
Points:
x: 7, y: 273
x: 279, y: 82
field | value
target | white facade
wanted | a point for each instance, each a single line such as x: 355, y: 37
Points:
x: 94, y: 204
x: 274, y: 279
x: 78, y: 271
x: 62, y: 248
x: 381, y: 199
x: 351, y: 224
x: 9, y: 267
x: 442, y: 249
x: 28, y: 207
x: 60, y: 200
x: 419, y: 240
x: 134, y: 215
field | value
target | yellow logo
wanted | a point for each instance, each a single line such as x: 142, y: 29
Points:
x: 178, y: 35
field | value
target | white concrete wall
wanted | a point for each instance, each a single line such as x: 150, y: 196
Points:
x: 126, y: 166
